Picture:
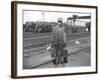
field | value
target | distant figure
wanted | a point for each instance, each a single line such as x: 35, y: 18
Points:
x: 88, y: 26
x: 59, y: 43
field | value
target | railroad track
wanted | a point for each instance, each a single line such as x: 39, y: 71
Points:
x: 47, y: 62
x: 70, y: 43
x: 40, y: 47
x: 48, y: 35
x: 39, y: 41
x: 73, y: 49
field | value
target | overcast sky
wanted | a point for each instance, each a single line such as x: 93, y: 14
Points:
x: 49, y: 16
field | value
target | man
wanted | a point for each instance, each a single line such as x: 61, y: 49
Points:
x: 59, y: 43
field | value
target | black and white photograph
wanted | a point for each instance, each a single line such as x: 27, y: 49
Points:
x: 56, y: 39
x: 53, y: 39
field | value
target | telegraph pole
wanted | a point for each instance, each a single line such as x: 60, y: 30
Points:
x: 43, y: 16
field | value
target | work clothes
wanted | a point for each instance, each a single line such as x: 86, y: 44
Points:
x: 59, y: 35
x: 59, y: 41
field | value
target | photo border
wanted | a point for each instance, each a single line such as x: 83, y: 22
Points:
x: 14, y: 37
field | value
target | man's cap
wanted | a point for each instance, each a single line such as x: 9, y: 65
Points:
x: 60, y: 20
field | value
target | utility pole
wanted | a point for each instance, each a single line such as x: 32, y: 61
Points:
x: 43, y: 16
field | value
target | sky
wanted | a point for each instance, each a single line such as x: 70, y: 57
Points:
x: 49, y: 16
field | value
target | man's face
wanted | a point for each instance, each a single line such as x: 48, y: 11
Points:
x: 60, y: 23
